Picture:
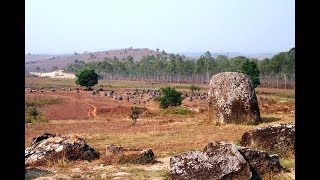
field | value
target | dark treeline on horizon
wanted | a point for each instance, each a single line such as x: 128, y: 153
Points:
x: 276, y: 72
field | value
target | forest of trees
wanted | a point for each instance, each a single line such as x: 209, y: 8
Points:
x: 278, y: 71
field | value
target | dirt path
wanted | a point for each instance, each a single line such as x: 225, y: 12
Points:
x: 92, y: 113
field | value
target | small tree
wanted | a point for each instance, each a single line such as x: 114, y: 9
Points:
x: 87, y: 78
x: 135, y: 112
x: 170, y: 97
x: 250, y: 68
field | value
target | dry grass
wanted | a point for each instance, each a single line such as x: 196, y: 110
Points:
x: 166, y: 134
x: 288, y: 93
x: 38, y: 102
x: 47, y: 83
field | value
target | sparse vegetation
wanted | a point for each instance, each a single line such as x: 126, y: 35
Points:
x: 287, y: 162
x: 135, y: 112
x: 38, y: 102
x: 194, y: 88
x: 32, y: 115
x: 179, y: 111
x: 167, y: 132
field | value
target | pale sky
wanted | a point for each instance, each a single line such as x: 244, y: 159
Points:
x: 244, y: 26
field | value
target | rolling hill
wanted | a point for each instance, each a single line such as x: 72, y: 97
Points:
x: 46, y: 62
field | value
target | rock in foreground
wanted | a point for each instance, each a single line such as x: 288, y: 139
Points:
x: 232, y: 99
x: 52, y: 147
x: 121, y: 155
x: 260, y: 161
x: 279, y: 137
x: 220, y: 160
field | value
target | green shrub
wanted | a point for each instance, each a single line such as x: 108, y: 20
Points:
x: 170, y: 97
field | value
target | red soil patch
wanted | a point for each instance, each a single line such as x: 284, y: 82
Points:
x: 83, y: 105
x: 69, y: 109
x: 117, y: 109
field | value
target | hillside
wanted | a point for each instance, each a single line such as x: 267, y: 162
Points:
x: 46, y: 62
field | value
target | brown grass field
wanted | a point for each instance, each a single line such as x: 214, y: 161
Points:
x: 101, y: 120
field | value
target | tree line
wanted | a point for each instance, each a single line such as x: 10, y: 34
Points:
x: 278, y: 71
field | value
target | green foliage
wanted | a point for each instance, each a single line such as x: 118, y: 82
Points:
x: 87, y: 77
x: 177, y: 68
x: 170, y: 97
x: 179, y: 111
x: 250, y: 68
x: 281, y: 63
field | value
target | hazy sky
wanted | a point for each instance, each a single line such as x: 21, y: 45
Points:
x: 245, y: 26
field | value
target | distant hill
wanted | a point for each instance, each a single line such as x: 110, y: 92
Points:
x: 46, y: 62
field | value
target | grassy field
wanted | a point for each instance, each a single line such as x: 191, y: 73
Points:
x: 38, y: 82
x: 167, y: 132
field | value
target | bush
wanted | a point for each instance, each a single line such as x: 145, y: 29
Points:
x: 170, y: 97
x: 32, y: 115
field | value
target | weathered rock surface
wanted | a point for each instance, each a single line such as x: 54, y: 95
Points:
x: 279, y: 137
x: 219, y: 160
x: 260, y: 162
x: 51, y: 147
x: 42, y: 137
x: 232, y: 99
x: 119, y: 154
